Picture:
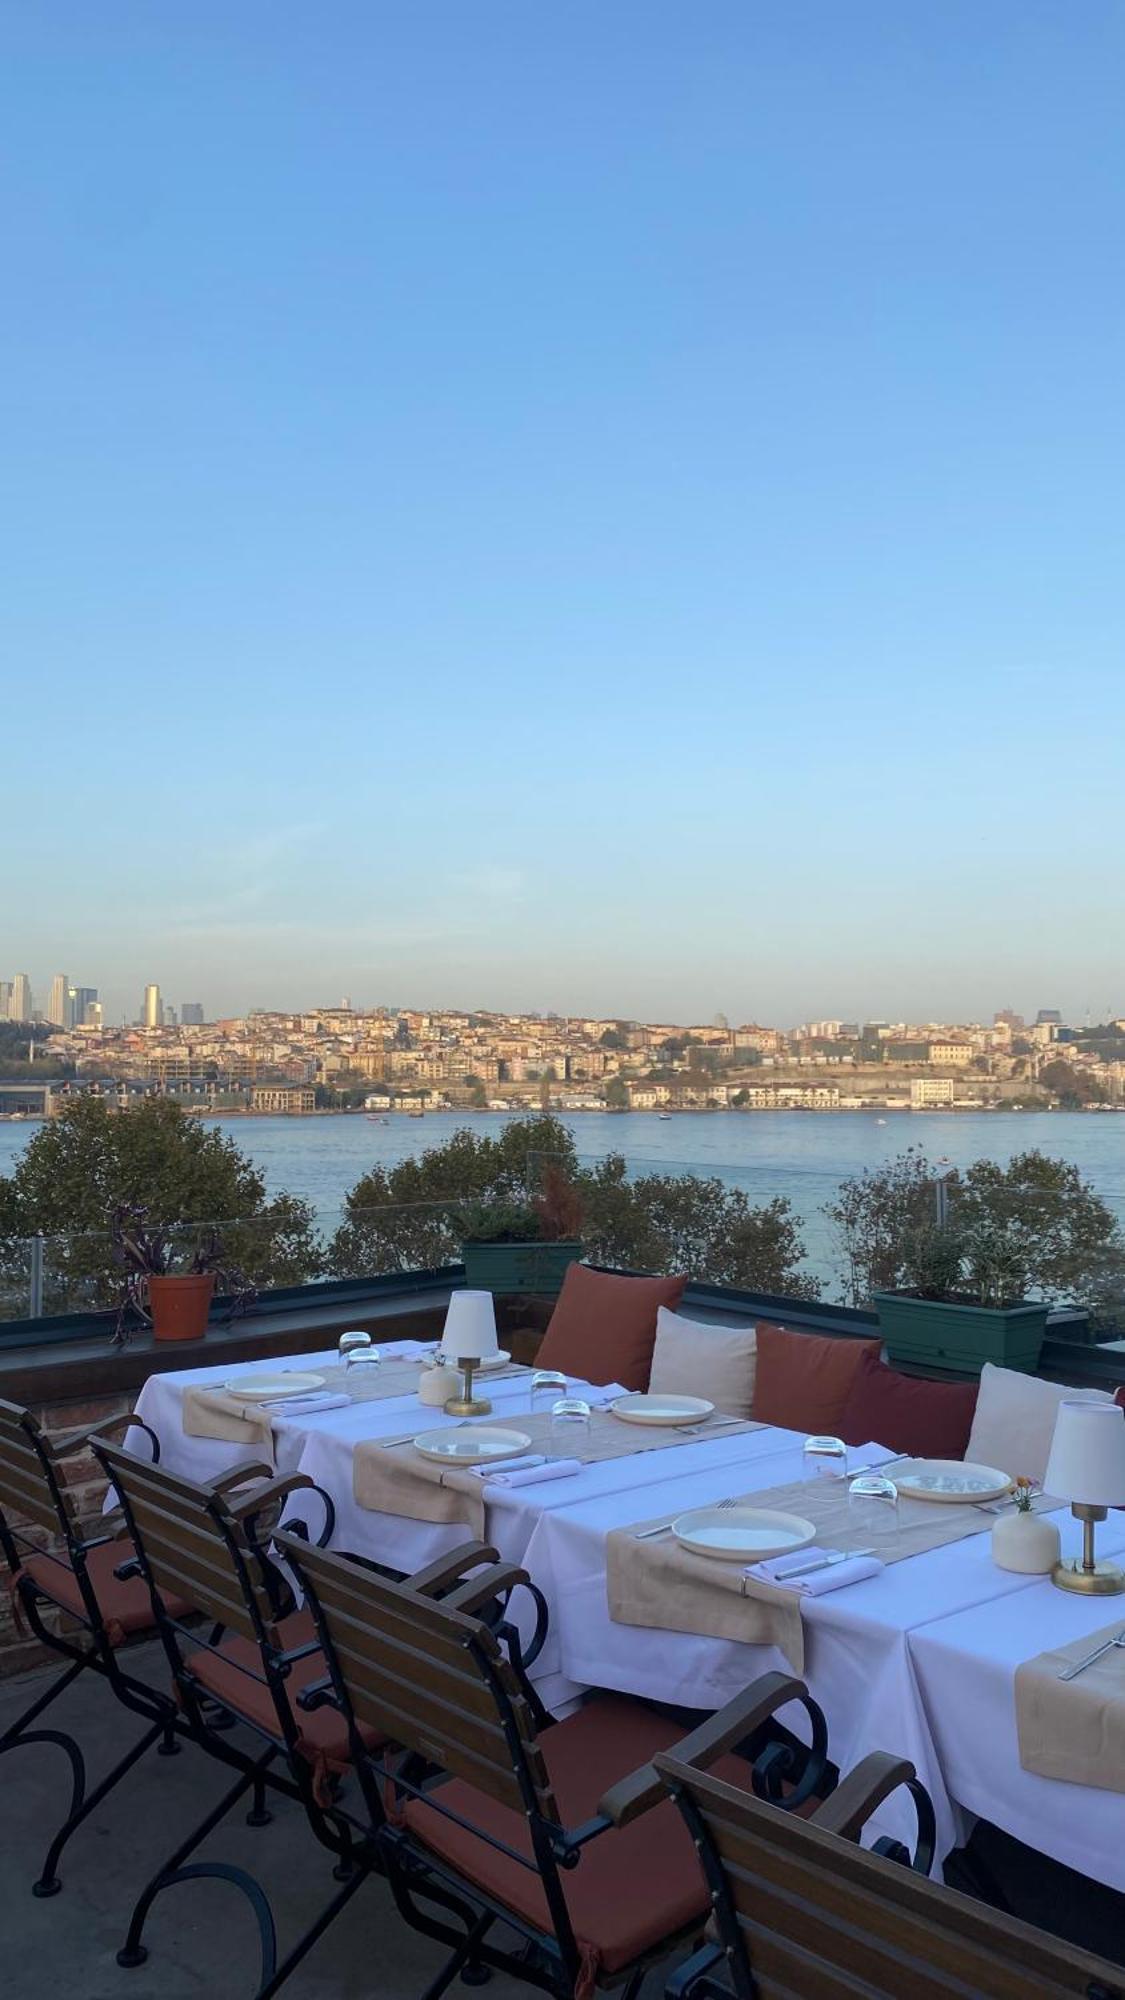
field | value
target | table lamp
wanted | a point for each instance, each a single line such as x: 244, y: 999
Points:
x: 1087, y: 1467
x: 469, y: 1337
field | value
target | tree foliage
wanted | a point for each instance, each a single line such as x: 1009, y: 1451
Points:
x: 1058, y: 1232
x: 418, y: 1213
x: 89, y: 1159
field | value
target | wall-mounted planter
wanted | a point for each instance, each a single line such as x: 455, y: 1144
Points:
x: 941, y: 1333
x: 503, y: 1268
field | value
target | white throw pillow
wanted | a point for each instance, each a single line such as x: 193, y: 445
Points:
x: 692, y: 1358
x: 1015, y: 1420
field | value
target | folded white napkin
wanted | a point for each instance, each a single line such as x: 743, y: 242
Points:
x: 527, y: 1459
x: 852, y: 1570
x: 298, y: 1406
x: 528, y: 1475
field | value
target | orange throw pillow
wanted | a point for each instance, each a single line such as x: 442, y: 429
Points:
x: 804, y: 1379
x: 603, y: 1328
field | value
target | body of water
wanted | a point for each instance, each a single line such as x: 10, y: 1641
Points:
x: 803, y: 1155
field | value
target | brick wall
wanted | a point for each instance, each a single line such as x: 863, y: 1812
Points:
x: 18, y: 1651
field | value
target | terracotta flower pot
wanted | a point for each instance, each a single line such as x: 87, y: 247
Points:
x: 180, y: 1306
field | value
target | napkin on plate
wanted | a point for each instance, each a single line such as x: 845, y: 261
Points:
x: 526, y: 1471
x: 853, y: 1570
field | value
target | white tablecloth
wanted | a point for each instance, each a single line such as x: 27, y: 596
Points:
x: 918, y: 1660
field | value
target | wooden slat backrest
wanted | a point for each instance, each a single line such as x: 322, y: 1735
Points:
x: 186, y: 1537
x: 821, y: 1915
x: 25, y: 1486
x: 430, y: 1678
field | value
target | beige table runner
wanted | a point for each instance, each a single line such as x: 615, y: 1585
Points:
x: 1074, y: 1730
x: 392, y: 1480
x: 217, y: 1413
x: 658, y: 1583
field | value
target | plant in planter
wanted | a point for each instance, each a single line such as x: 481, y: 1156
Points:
x: 514, y: 1246
x: 964, y: 1300
x: 167, y: 1287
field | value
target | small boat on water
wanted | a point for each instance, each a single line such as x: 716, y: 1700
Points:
x: 665, y: 1117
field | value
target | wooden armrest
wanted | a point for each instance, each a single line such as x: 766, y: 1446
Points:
x: 477, y: 1591
x: 450, y: 1569
x: 264, y: 1496
x: 721, y: 1732
x: 72, y: 1440
x: 239, y: 1477
x: 857, y: 1796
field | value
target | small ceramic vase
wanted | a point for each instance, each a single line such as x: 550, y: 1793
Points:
x: 1025, y: 1542
x: 437, y: 1385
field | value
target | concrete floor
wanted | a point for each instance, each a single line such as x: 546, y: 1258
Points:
x: 201, y: 1935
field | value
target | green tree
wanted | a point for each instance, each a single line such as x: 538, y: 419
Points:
x: 617, y: 1094
x: 1071, y: 1086
x: 413, y: 1216
x: 692, y: 1223
x: 92, y: 1156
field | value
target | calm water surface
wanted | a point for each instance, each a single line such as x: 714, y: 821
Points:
x: 803, y: 1155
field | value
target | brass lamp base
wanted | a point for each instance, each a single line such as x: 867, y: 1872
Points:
x: 1106, y: 1579
x: 468, y: 1405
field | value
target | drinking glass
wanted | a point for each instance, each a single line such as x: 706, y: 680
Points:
x: 824, y: 1458
x: 360, y: 1362
x: 872, y: 1504
x: 570, y: 1422
x: 350, y: 1343
x: 544, y: 1390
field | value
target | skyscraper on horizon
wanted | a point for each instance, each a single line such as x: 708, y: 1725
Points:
x: 19, y: 1001
x: 191, y: 1014
x: 79, y: 998
x: 58, y: 1013
x: 152, y: 1013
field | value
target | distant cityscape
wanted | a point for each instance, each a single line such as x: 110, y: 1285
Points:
x: 384, y: 1059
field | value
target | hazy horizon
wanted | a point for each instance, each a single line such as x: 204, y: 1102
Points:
x: 608, y: 509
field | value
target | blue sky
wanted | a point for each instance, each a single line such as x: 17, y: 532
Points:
x: 610, y: 507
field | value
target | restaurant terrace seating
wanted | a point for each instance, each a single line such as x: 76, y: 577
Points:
x: 800, y: 1908
x: 57, y: 1565
x: 480, y: 1805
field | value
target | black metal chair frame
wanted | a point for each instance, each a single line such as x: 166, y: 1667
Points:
x: 548, y: 1960
x: 93, y: 1652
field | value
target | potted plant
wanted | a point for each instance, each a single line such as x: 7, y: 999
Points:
x: 169, y: 1287
x: 965, y: 1302
x: 524, y: 1246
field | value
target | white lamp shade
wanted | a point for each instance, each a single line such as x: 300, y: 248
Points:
x: 470, y: 1327
x: 1087, y: 1461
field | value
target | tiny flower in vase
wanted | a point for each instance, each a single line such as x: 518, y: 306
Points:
x: 1023, y: 1493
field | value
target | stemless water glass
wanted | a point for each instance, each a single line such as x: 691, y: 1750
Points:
x: 570, y: 1422
x: 350, y: 1343
x: 824, y: 1458
x: 872, y: 1504
x: 544, y: 1390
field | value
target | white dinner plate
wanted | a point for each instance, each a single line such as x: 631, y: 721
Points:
x: 948, y: 1479
x: 271, y: 1388
x: 497, y: 1360
x: 640, y: 1409
x: 742, y: 1533
x: 471, y: 1445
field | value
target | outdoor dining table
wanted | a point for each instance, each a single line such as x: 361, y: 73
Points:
x: 918, y: 1659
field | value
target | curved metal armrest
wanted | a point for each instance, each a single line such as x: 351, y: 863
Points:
x: 73, y: 1440
x: 863, y: 1791
x: 247, y: 1509
x: 240, y: 1476
x: 722, y: 1732
x: 478, y: 1591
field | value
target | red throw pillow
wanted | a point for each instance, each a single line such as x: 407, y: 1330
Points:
x: 804, y: 1380
x: 603, y: 1328
x: 1119, y: 1396
x: 906, y: 1413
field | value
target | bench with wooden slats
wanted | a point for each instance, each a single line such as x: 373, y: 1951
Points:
x: 803, y: 1910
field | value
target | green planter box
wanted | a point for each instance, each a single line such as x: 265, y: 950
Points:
x: 518, y: 1267
x: 934, y: 1333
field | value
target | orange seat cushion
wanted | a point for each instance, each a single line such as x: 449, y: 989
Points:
x: 603, y: 1328
x: 907, y: 1413
x: 235, y: 1677
x: 126, y: 1607
x: 633, y: 1887
x: 804, y: 1380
